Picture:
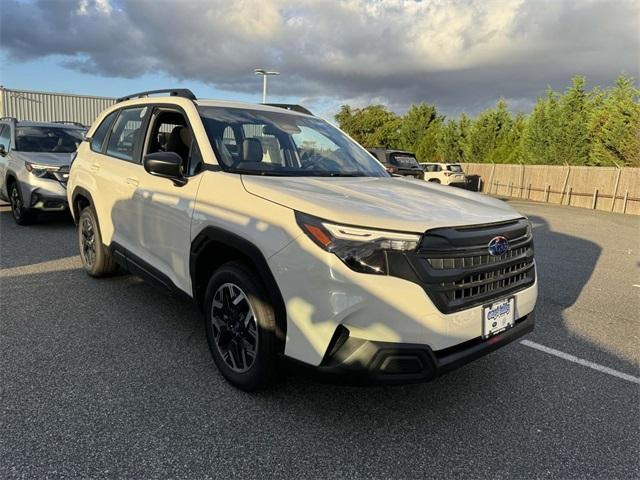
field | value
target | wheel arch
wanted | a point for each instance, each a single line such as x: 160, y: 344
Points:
x: 213, y: 247
x: 9, y: 178
x: 80, y: 199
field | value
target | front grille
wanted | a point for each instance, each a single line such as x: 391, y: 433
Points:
x: 457, y: 272
x: 473, y: 260
x: 481, y: 283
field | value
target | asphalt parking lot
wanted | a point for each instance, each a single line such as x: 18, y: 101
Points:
x: 110, y: 378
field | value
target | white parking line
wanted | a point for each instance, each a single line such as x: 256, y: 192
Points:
x: 580, y: 361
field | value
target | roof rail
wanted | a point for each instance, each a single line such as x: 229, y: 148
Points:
x: 9, y: 119
x: 69, y: 122
x: 290, y: 106
x: 173, y: 92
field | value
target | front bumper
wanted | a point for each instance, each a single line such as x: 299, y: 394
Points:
x: 357, y: 361
x: 43, y: 194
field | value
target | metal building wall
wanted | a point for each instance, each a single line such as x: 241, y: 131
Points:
x: 47, y: 106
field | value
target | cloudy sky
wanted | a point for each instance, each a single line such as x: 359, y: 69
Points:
x: 461, y: 55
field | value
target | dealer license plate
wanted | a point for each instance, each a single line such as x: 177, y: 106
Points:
x: 498, y: 317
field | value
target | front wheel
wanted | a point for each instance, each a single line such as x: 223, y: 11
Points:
x: 21, y: 214
x: 240, y: 324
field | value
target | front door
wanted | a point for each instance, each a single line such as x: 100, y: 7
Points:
x: 163, y: 209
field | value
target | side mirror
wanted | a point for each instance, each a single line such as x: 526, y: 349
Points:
x: 3, y: 150
x: 165, y: 165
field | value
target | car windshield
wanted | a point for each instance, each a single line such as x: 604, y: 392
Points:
x: 259, y: 142
x: 454, y: 168
x: 48, y: 139
x: 406, y: 161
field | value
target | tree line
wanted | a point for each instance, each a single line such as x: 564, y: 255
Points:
x: 577, y: 127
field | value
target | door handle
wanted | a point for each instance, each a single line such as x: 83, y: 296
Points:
x: 132, y: 181
x: 94, y: 167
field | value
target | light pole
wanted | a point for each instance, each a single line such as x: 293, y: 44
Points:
x: 264, y: 73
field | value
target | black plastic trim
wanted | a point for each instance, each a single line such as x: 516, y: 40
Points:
x: 365, y: 362
x: 139, y: 267
x: 248, y: 249
x: 79, y: 191
x: 456, y: 242
x: 173, y: 92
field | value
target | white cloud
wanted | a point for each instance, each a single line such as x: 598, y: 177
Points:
x: 460, y: 54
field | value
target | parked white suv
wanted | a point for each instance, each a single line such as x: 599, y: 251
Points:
x: 445, y: 173
x: 288, y: 236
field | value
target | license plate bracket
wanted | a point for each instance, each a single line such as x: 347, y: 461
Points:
x: 498, y: 316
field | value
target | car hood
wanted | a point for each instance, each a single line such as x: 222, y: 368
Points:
x: 43, y: 158
x: 388, y: 203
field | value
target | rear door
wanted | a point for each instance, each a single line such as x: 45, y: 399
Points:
x: 117, y: 168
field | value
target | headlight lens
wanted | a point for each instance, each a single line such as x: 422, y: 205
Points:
x: 37, y: 170
x: 60, y: 173
x: 361, y: 249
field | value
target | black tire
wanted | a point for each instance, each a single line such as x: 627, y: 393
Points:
x: 21, y: 214
x: 230, y: 334
x: 434, y: 180
x: 96, y: 259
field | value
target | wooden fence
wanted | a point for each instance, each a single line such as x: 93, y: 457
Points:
x: 602, y: 188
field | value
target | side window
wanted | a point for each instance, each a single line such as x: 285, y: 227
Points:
x: 195, y: 160
x: 170, y: 132
x: 125, y: 134
x: 5, y: 137
x: 101, y: 132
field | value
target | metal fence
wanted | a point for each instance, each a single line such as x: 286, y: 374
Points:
x: 601, y: 188
x: 48, y: 106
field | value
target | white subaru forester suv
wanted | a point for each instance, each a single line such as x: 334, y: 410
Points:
x: 288, y: 236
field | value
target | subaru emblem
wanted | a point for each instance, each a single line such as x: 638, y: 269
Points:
x: 498, y: 246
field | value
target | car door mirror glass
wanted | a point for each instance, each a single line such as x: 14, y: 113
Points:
x: 166, y: 165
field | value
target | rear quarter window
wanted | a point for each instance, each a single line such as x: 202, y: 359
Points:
x: 101, y: 132
x: 126, y: 133
x: 405, y: 161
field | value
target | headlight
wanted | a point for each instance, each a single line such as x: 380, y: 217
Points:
x: 361, y: 249
x: 60, y: 173
x: 37, y: 170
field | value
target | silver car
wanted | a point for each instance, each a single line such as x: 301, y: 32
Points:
x: 34, y: 165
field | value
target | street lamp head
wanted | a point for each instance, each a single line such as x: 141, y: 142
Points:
x: 262, y: 71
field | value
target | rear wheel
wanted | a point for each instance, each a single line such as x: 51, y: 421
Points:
x: 96, y: 259
x: 434, y: 180
x: 240, y: 324
x: 21, y: 214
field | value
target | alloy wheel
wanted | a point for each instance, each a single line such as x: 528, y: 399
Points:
x: 16, y: 203
x: 234, y: 326
x: 88, y: 242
